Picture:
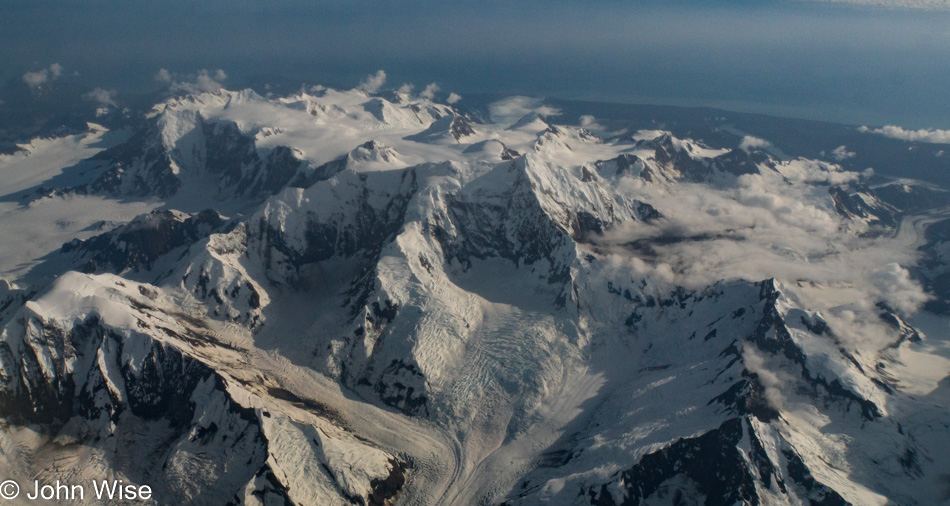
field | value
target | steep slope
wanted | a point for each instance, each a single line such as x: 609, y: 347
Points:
x: 404, y: 306
x: 124, y: 384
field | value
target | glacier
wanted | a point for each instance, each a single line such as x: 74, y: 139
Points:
x: 343, y: 297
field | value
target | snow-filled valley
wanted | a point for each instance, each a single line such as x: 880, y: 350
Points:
x: 342, y: 297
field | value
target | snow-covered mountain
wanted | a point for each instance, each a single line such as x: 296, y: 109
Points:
x: 339, y: 297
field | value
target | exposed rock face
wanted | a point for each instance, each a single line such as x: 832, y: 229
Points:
x: 179, y: 149
x: 139, y: 244
x: 411, y: 306
x: 95, y: 381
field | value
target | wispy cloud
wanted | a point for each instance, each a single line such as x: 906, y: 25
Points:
x: 780, y: 224
x: 750, y: 142
x: 898, y: 289
x: 453, y: 98
x: 511, y: 109
x: 203, y: 81
x: 841, y: 153
x: 42, y: 76
x: 590, y: 122
x: 896, y: 4
x: 771, y: 377
x: 374, y: 82
x: 101, y: 96
x: 923, y: 135
x: 430, y: 91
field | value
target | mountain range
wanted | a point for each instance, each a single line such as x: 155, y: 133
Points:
x: 342, y: 297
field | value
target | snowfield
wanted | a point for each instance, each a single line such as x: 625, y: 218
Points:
x: 339, y: 297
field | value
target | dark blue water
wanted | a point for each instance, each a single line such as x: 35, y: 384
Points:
x: 795, y: 58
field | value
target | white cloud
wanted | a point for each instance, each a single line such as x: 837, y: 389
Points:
x: 163, y: 76
x: 373, y: 82
x: 453, y: 98
x: 922, y: 135
x: 771, y: 378
x: 511, y: 109
x: 859, y: 326
x: 204, y: 81
x: 430, y: 91
x: 897, y: 288
x: 34, y: 79
x: 590, y: 122
x: 779, y: 224
x: 661, y: 272
x: 841, y: 153
x: 406, y: 88
x: 101, y: 96
x: 897, y: 4
x: 750, y: 142
x: 757, y: 191
x: 43, y: 76
x: 813, y: 171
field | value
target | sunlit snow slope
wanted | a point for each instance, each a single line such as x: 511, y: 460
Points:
x: 338, y: 297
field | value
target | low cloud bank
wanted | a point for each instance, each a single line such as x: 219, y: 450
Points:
x: 923, y: 135
x: 782, y: 225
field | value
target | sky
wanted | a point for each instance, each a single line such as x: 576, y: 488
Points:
x: 847, y: 61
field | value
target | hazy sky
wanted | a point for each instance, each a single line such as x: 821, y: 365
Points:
x: 843, y: 61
